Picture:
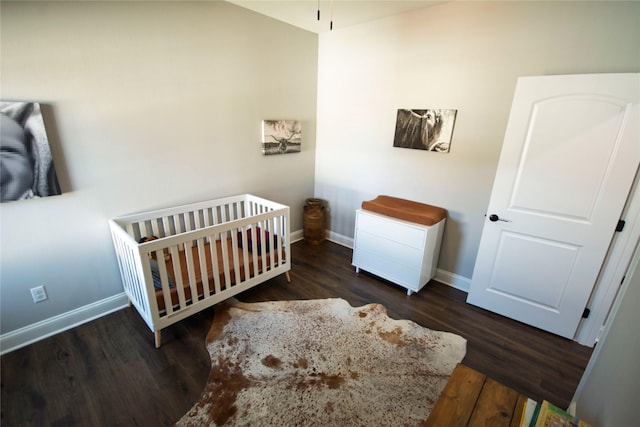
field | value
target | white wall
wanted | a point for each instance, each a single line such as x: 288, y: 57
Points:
x: 607, y: 394
x: 460, y: 55
x: 151, y: 104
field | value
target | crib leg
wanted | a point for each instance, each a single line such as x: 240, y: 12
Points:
x: 158, y: 335
x: 288, y: 277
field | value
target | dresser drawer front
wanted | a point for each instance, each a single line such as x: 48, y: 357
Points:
x: 392, y: 230
x: 394, y: 251
x: 381, y: 265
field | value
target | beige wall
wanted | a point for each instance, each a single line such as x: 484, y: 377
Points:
x: 460, y: 55
x: 607, y: 394
x: 152, y: 104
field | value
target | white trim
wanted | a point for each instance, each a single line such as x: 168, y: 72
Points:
x: 54, y: 325
x: 455, y: 281
x: 340, y: 239
x: 296, y: 236
x: 630, y: 271
x: 613, y: 270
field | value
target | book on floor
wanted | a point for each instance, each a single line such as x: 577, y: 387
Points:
x: 546, y: 414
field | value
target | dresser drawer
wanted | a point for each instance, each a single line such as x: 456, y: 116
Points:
x: 399, y: 231
x: 394, y: 251
x: 382, y: 266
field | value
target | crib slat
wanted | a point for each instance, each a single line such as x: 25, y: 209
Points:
x: 188, y: 221
x: 166, y: 294
x: 191, y: 272
x: 262, y: 251
x: 204, y: 273
x: 164, y: 278
x: 177, y: 274
x: 147, y: 228
x: 176, y: 224
x: 234, y: 254
x: 217, y: 215
x: 271, y: 239
x: 207, y: 217
x: 197, y: 218
x: 266, y: 241
x: 166, y: 224
x: 155, y: 230
x: 272, y: 243
x: 214, y: 264
x: 207, y: 224
x: 243, y: 243
x: 130, y: 229
x: 224, y: 213
x: 254, y: 254
x: 277, y: 243
x: 225, y: 261
x: 240, y: 210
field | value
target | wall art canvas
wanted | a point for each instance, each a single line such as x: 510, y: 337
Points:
x: 26, y: 164
x: 281, y: 136
x: 428, y: 129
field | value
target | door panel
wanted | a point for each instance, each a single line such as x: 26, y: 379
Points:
x: 570, y: 153
x: 550, y: 150
x: 558, y: 258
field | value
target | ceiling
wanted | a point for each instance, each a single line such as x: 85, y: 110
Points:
x: 343, y: 13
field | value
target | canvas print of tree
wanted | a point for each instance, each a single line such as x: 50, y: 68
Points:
x: 428, y: 129
x: 26, y: 164
x: 281, y: 136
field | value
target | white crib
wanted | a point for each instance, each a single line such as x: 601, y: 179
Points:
x: 203, y: 253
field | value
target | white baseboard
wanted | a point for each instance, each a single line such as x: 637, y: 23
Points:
x: 459, y: 282
x: 38, y: 331
x: 340, y: 239
x: 296, y: 236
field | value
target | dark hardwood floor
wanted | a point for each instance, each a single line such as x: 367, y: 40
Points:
x: 108, y: 372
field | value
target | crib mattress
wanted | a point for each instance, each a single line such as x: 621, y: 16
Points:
x: 407, y: 210
x: 231, y: 252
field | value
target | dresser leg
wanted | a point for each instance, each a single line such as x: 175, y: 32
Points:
x: 409, y: 292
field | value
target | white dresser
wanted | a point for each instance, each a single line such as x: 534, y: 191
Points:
x: 402, y: 252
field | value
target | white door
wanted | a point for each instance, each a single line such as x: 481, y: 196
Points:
x: 569, y: 157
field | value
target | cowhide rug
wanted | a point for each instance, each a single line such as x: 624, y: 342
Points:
x: 321, y: 363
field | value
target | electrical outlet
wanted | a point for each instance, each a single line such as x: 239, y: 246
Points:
x: 38, y: 294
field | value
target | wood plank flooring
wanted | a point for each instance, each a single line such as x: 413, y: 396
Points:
x: 108, y: 372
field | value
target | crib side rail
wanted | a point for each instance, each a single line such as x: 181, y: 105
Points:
x: 131, y: 271
x: 176, y: 221
x: 176, y: 210
x: 218, y: 260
